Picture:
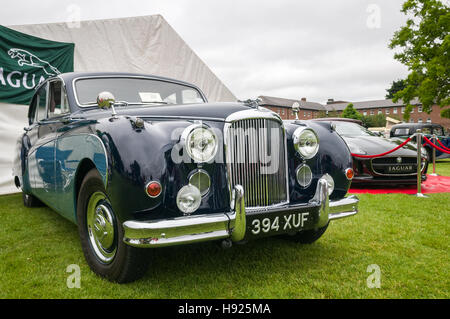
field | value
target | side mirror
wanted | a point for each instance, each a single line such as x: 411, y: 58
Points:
x: 105, y: 99
x: 296, y: 109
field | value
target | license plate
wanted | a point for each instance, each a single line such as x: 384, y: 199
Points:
x: 401, y: 168
x: 269, y: 224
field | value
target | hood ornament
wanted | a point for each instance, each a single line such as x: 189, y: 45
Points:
x: 252, y: 103
x: 296, y: 109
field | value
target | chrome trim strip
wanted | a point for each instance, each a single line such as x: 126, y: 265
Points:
x: 335, y: 216
x: 253, y: 114
x: 215, y: 119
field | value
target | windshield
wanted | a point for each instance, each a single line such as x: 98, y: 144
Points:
x: 136, y: 91
x: 438, y: 130
x: 352, y: 129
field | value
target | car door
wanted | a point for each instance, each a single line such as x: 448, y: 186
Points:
x: 42, y: 134
x: 59, y: 113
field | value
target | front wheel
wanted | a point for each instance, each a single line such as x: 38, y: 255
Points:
x: 101, y: 235
x: 309, y: 236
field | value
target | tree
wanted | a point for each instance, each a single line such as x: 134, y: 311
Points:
x: 350, y: 112
x: 423, y: 45
x: 395, y: 87
x: 378, y: 120
x: 323, y: 114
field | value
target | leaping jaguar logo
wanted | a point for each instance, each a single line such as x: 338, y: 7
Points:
x: 26, y: 58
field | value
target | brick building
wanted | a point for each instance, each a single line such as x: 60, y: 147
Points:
x: 308, y: 110
x: 394, y: 110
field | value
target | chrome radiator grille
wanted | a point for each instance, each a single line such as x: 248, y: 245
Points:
x: 256, y: 159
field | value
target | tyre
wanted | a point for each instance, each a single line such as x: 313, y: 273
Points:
x: 31, y: 201
x: 101, y: 235
x: 309, y: 236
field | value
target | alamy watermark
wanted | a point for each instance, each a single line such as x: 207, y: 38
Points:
x: 257, y: 146
x: 374, y: 18
x: 74, y: 279
x: 73, y: 19
x: 374, y: 279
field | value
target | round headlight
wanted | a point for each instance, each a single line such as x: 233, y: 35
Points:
x: 306, y: 142
x: 189, y: 199
x: 201, y: 144
x: 304, y: 175
x: 330, y: 182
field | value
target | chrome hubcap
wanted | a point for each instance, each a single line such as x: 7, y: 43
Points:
x: 101, y: 227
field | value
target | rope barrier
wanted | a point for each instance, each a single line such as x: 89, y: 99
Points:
x: 443, y: 146
x: 420, y: 139
x: 386, y: 153
x: 435, y: 146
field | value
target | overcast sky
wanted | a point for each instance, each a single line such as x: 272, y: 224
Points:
x: 286, y: 48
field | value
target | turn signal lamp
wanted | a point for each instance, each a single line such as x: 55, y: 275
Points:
x: 153, y: 189
x: 349, y: 173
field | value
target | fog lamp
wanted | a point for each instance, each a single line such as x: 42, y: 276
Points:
x: 189, y: 199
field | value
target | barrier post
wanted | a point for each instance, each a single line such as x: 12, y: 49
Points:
x: 419, y: 164
x: 434, y: 156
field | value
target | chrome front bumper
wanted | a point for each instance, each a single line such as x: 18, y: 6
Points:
x: 192, y: 229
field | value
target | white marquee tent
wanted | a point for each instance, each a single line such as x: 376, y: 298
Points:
x: 145, y: 44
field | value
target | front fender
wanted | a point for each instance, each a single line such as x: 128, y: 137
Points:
x: 138, y: 156
x: 333, y: 158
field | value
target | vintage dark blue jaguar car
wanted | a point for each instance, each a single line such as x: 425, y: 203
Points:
x: 141, y: 161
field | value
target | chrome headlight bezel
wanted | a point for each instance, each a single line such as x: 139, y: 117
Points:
x: 186, y: 138
x: 300, y: 133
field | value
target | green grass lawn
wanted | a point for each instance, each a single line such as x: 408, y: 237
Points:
x: 442, y: 167
x: 407, y: 237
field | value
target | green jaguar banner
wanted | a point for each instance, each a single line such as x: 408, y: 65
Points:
x: 26, y: 61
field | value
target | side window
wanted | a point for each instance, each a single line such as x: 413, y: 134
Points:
x: 57, y: 102
x: 41, y: 101
x: 401, y: 132
x: 32, y: 111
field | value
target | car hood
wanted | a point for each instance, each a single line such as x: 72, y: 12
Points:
x: 373, y: 145
x: 208, y: 111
